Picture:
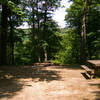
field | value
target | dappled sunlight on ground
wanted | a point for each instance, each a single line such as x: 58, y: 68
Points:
x: 47, y: 83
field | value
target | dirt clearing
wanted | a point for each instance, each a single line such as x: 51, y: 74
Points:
x: 47, y: 83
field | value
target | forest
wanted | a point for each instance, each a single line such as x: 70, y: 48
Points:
x: 44, y: 40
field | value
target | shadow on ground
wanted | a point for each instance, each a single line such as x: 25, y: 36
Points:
x: 94, y: 84
x: 97, y: 93
x: 9, y: 87
x: 85, y: 76
x: 74, y: 67
x: 9, y: 78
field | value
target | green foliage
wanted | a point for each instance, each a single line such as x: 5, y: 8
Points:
x: 22, y: 48
x: 62, y: 45
x: 69, y: 50
x: 74, y: 20
x: 3, y: 1
x: 14, y: 8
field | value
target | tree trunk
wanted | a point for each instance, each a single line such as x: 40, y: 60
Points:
x: 38, y: 34
x: 12, y: 53
x: 83, y: 38
x: 90, y: 54
x: 11, y: 42
x: 45, y: 55
x: 39, y: 58
x: 3, y: 52
x: 44, y: 32
x: 83, y: 35
x: 38, y: 40
x: 32, y: 33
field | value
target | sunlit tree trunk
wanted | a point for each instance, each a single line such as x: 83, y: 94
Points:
x: 83, y: 35
x: 45, y: 55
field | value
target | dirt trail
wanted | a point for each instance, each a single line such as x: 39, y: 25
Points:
x: 47, y: 83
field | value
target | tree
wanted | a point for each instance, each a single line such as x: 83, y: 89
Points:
x: 83, y: 33
x: 3, y: 42
x: 68, y: 52
x: 48, y: 6
x: 40, y: 15
x: 15, y: 19
x: 10, y: 13
x: 81, y: 13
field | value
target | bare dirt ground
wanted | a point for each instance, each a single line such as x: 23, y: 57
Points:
x: 47, y: 83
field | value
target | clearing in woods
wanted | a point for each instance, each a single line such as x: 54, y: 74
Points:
x: 41, y: 82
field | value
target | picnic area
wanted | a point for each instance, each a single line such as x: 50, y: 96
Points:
x: 49, y: 49
x: 50, y: 82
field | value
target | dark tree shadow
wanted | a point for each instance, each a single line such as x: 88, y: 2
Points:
x: 85, y: 76
x: 9, y: 77
x: 9, y: 87
x: 97, y: 92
